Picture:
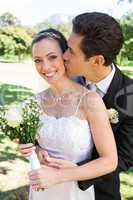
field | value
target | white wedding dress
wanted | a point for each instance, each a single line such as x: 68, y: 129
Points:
x: 67, y: 138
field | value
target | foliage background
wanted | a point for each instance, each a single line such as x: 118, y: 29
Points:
x: 15, y: 42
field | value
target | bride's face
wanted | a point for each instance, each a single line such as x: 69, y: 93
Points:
x: 48, y: 58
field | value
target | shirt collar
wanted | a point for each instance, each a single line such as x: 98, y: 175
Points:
x: 104, y: 84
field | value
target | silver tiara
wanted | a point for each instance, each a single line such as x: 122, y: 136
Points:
x: 49, y: 34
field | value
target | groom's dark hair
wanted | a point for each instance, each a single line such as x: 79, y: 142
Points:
x: 102, y: 35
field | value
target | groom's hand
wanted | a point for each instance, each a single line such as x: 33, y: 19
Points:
x: 59, y: 163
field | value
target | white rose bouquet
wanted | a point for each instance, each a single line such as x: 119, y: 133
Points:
x: 22, y: 121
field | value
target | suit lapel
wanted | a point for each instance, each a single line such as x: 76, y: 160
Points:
x: 114, y: 87
x: 109, y: 98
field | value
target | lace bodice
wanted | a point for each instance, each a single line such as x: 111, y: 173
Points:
x: 66, y: 137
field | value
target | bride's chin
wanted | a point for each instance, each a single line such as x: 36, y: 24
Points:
x: 48, y: 79
x: 51, y: 81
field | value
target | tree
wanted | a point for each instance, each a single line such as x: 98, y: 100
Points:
x: 127, y: 27
x: 7, y: 19
x: 14, y: 41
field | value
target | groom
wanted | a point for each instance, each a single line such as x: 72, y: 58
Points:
x: 93, y: 45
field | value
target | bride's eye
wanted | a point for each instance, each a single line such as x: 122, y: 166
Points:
x: 37, y: 61
x: 52, y: 57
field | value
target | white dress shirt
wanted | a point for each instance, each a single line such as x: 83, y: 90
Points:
x: 102, y: 86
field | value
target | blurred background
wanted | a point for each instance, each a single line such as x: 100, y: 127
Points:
x: 19, y: 21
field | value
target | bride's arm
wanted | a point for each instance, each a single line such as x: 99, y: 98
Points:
x: 104, y: 141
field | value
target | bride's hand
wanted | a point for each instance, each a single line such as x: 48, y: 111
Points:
x: 42, y: 155
x: 25, y: 149
x: 59, y: 163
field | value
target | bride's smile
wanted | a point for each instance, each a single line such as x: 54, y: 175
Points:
x: 48, y: 59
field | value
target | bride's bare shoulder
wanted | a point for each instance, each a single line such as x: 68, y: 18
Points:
x: 92, y: 100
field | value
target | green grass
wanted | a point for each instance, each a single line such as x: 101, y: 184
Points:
x: 13, y: 166
x: 9, y: 59
x: 13, y: 172
x: 14, y: 58
x: 13, y: 93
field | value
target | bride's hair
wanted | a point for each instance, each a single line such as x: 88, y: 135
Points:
x: 53, y: 34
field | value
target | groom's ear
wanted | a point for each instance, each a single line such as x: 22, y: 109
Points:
x: 97, y: 60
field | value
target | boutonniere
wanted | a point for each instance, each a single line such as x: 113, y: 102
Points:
x: 113, y: 115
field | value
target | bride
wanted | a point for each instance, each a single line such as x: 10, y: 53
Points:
x: 74, y: 119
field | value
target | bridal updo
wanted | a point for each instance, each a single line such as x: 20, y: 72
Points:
x: 51, y: 34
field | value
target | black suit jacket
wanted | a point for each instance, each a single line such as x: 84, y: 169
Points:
x: 120, y: 97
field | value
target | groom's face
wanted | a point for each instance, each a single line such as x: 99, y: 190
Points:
x: 76, y: 62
